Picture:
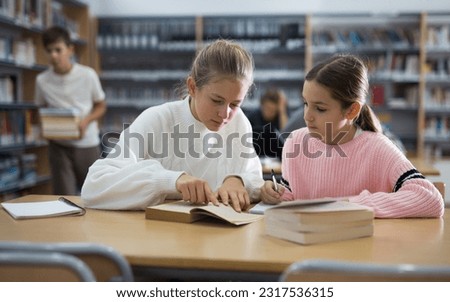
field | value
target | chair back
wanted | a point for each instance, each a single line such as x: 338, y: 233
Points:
x: 30, y: 266
x: 441, y: 187
x: 317, y: 270
x: 104, y: 261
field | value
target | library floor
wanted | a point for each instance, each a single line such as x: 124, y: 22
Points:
x: 443, y: 166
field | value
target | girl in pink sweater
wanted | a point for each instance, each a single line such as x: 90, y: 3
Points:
x: 342, y: 152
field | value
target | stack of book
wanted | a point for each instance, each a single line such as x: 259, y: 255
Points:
x: 319, y: 221
x: 60, y: 123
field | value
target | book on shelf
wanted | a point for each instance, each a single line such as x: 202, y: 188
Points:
x: 7, y: 89
x: 18, y: 169
x: 13, y: 127
x: 60, y: 123
x: 319, y: 223
x: 43, y: 209
x: 182, y: 211
x: 377, y: 95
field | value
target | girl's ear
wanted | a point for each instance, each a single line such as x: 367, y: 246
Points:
x: 353, y: 111
x: 71, y: 48
x: 190, y: 83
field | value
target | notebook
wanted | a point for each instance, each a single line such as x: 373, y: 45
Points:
x: 43, y: 209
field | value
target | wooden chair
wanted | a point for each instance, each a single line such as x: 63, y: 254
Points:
x: 316, y: 270
x: 105, y: 262
x: 441, y: 187
x: 32, y: 266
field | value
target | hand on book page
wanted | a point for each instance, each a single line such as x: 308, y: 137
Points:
x: 182, y: 211
x: 42, y: 209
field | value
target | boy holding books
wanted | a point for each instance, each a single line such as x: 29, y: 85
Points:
x: 70, y: 85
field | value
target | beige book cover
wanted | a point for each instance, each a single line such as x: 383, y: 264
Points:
x: 182, y: 211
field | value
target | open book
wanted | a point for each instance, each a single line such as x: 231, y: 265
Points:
x: 42, y: 209
x: 318, y: 223
x: 182, y: 211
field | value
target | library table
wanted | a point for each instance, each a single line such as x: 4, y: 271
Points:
x: 213, y: 251
x: 424, y: 167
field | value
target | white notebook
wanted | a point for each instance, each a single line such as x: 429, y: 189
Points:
x: 42, y: 209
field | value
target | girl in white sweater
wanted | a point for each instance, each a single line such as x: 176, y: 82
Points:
x: 198, y: 149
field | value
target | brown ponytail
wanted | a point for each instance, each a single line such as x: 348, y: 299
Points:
x: 367, y: 120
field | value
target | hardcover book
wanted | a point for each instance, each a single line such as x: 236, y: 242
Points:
x: 319, y: 223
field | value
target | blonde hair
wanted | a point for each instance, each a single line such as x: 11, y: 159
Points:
x: 345, y: 77
x: 219, y: 60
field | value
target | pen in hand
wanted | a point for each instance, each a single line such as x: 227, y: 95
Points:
x: 275, y: 184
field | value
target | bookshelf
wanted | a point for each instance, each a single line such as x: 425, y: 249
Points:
x: 162, y: 50
x: 278, y: 47
x: 436, y: 135
x: 408, y: 57
x: 391, y: 47
x: 142, y: 59
x: 24, y: 166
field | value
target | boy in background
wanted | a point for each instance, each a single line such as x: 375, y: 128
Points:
x: 70, y: 85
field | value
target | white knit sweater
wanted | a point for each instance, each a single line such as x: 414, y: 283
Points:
x: 162, y: 143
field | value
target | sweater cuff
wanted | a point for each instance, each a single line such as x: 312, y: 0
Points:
x: 359, y: 198
x: 167, y: 181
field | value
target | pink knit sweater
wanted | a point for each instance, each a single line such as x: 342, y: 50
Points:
x: 369, y: 170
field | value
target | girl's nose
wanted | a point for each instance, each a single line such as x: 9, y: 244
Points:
x: 307, y: 115
x: 224, y: 112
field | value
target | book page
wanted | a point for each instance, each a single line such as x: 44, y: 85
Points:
x: 305, y: 202
x: 227, y: 213
x: 261, y: 207
x: 49, y: 208
x: 223, y: 212
x: 337, y: 206
x: 180, y: 206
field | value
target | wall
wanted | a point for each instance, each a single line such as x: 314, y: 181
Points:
x: 224, y: 7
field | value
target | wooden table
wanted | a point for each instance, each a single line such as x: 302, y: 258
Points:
x: 215, y: 251
x: 426, y: 168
